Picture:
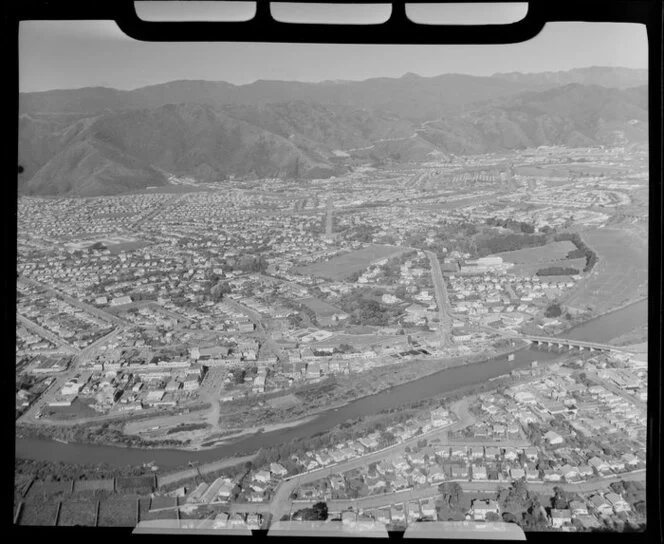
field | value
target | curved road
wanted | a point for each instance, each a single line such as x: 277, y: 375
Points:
x: 281, y: 502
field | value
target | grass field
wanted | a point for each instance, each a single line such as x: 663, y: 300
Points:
x: 621, y: 274
x: 78, y: 513
x: 146, y: 515
x: 129, y: 483
x: 320, y: 307
x: 117, y: 513
x: 339, y: 268
x: 38, y: 513
x: 41, y: 490
x: 115, y: 249
x: 542, y: 255
x: 78, y: 409
x: 83, y: 486
x: 285, y: 401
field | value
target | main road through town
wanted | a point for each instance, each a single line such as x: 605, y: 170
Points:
x: 442, y: 298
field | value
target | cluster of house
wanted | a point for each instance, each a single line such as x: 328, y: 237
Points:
x: 219, y: 491
x: 30, y: 343
x: 260, y: 484
x: 130, y: 380
x: 222, y: 520
x: 391, y: 223
x: 69, y: 323
x: 542, y: 401
x: 630, y: 379
x: 169, y: 267
x: 56, y: 217
x: 481, y: 297
x: 588, y: 511
x: 404, y: 512
x: 579, y: 195
x: 149, y: 317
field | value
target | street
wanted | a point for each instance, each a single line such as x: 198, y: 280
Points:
x: 75, y: 302
x: 378, y: 501
x: 281, y: 500
x: 442, y: 299
x: 41, y: 331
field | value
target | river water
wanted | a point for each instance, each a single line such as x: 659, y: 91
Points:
x: 601, y: 330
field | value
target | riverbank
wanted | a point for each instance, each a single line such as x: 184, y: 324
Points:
x: 251, y: 430
x: 393, y: 398
x: 341, y: 390
x: 125, y: 432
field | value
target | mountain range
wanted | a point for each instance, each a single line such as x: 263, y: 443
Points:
x: 97, y: 141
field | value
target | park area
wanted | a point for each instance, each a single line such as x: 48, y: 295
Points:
x: 340, y: 267
x: 528, y: 261
x: 620, y: 276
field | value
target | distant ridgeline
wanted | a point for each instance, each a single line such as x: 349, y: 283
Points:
x: 98, y: 141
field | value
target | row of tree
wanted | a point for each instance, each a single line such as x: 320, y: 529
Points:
x: 517, y: 226
x: 557, y: 271
x: 582, y: 250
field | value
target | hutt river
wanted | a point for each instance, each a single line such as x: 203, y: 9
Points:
x: 601, y: 330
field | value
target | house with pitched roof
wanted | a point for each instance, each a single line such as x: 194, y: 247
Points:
x: 601, y: 505
x: 617, y: 502
x: 560, y: 518
x: 481, y: 507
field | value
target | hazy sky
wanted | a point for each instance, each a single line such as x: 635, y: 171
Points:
x: 72, y: 54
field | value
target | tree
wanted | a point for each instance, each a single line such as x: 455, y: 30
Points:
x: 451, y: 493
x: 219, y: 290
x: 554, y: 310
x: 508, y: 517
x: 557, y: 271
x: 492, y: 516
x: 640, y: 508
x: 320, y: 511
x: 561, y: 498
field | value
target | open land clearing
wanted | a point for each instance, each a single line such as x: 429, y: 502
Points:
x: 143, y: 427
x: 339, y: 268
x: 238, y: 433
x: 286, y: 401
x: 621, y: 274
x: 319, y: 307
x: 359, y: 339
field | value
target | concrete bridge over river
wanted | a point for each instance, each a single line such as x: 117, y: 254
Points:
x: 581, y: 345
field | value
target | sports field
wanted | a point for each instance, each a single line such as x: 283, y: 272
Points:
x: 339, y: 268
x: 531, y: 269
x: 621, y: 274
x: 543, y: 255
